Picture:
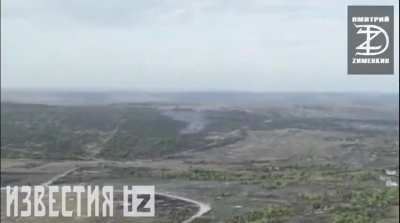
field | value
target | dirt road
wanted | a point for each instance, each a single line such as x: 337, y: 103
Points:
x: 203, y: 207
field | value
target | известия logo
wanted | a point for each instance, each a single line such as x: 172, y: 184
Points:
x: 370, y: 40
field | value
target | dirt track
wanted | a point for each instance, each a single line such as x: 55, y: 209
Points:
x: 203, y: 207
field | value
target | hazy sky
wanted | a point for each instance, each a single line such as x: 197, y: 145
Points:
x: 247, y: 45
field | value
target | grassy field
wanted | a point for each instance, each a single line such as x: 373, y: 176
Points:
x: 297, y: 163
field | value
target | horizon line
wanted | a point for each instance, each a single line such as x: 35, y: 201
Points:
x: 108, y: 89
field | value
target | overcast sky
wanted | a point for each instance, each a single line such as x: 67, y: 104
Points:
x: 246, y: 45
